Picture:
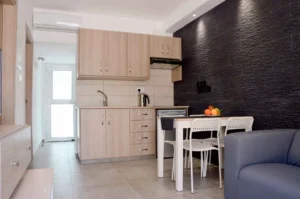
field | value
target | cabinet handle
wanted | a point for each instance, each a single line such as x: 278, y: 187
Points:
x: 142, y: 114
x: 102, y: 123
x: 168, y: 49
x: 143, y: 149
x: 163, y: 49
x: 140, y: 126
x: 28, y: 148
x: 130, y: 70
x: 143, y: 138
x: 108, y: 122
x: 106, y: 69
x: 100, y: 69
x: 15, y: 164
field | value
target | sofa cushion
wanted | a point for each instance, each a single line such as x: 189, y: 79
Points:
x: 269, y: 181
x: 294, y: 153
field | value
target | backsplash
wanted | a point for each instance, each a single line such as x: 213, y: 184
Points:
x: 159, y: 87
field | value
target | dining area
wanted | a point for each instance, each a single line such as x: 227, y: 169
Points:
x: 185, y: 145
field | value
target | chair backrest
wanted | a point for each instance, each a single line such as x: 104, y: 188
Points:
x: 206, y: 124
x: 239, y: 123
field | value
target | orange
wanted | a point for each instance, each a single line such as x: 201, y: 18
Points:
x: 211, y: 107
x: 207, y: 112
x: 214, y: 112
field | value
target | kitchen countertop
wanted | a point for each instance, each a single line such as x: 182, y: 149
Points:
x: 6, y: 130
x: 132, y: 107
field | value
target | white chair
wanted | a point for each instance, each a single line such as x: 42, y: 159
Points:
x: 209, y: 140
x: 233, y: 123
x: 173, y: 143
x: 202, y: 125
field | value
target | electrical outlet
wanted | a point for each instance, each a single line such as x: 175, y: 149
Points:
x: 142, y: 89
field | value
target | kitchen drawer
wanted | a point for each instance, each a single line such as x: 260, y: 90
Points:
x: 142, y: 149
x: 15, y: 158
x: 141, y: 138
x: 142, y: 114
x: 142, y: 126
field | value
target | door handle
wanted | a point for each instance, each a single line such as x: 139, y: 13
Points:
x: 143, y: 149
x: 142, y: 114
x: 15, y: 164
x: 143, y: 138
x: 140, y: 126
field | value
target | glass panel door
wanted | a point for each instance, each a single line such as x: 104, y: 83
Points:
x: 61, y: 106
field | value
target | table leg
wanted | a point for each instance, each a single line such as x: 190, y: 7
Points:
x: 179, y: 157
x: 160, y: 149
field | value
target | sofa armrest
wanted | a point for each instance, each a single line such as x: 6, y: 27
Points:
x: 243, y: 149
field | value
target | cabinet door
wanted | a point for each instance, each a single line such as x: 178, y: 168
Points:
x: 91, y: 52
x: 117, y: 131
x: 92, y: 134
x: 173, y: 48
x: 138, y: 55
x: 116, y: 54
x: 165, y: 47
x: 156, y: 46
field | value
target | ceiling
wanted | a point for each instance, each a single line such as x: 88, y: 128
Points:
x: 143, y: 9
x: 57, y: 53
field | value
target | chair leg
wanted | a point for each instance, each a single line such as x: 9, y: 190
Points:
x: 173, y: 167
x: 189, y: 162
x: 209, y: 157
x: 192, y: 175
x: 220, y: 169
x: 202, y: 166
x: 185, y: 160
x: 205, y: 162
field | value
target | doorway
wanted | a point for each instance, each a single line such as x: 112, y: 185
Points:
x: 60, y: 102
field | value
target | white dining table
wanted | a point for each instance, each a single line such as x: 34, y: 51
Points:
x: 179, y: 124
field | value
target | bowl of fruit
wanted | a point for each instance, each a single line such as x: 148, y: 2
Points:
x: 212, y: 111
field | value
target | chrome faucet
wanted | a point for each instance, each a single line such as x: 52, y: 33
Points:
x: 105, y: 102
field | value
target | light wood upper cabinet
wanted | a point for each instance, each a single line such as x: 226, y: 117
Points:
x: 92, y: 134
x: 116, y: 54
x: 117, y: 128
x: 91, y: 52
x: 165, y: 47
x: 138, y: 55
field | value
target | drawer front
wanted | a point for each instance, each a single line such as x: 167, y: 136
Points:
x: 142, y: 114
x: 141, y: 138
x: 15, y: 158
x: 142, y: 126
x: 142, y: 149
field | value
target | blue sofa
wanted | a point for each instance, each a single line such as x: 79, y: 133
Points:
x: 262, y: 165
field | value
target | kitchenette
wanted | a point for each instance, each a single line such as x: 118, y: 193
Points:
x: 124, y: 82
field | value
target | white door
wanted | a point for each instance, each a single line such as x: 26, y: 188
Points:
x: 60, y: 102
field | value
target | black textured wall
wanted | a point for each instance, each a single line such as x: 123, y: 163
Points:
x: 249, y: 52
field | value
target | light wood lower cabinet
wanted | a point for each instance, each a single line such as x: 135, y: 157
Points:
x: 117, y: 137
x: 92, y: 134
x: 15, y: 158
x: 115, y: 133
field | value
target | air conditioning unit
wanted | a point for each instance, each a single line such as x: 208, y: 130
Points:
x: 53, y: 21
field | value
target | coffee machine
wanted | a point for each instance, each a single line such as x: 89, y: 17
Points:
x: 143, y: 99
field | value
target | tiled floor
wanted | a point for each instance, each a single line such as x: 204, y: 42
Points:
x: 125, y: 180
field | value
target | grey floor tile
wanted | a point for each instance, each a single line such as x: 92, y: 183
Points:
x: 92, y: 178
x: 114, y: 191
x: 130, y: 179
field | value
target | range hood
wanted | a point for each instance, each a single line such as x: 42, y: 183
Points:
x: 165, y: 64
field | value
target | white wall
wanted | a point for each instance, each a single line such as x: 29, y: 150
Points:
x: 101, y: 22
x: 24, y: 17
x: 37, y: 99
